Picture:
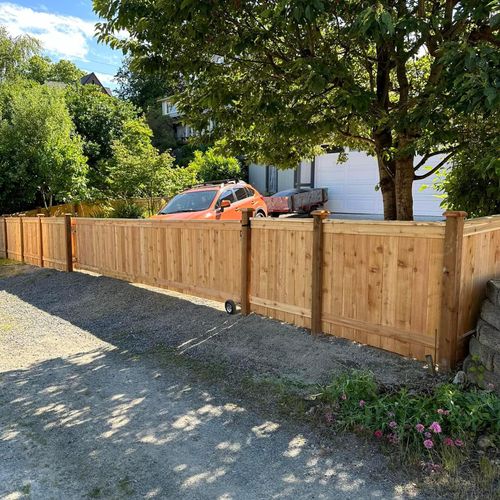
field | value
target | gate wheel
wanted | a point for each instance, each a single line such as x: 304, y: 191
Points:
x: 230, y: 306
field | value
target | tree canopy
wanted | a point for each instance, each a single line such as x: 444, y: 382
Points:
x: 40, y: 154
x: 284, y: 78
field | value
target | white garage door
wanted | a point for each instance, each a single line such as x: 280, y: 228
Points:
x: 351, y: 186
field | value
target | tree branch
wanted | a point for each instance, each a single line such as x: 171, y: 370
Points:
x: 434, y: 153
x: 436, y: 168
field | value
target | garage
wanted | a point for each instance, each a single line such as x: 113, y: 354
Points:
x: 351, y: 185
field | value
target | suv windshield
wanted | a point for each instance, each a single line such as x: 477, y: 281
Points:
x: 194, y: 201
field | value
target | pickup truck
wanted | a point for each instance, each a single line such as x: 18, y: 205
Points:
x: 301, y: 201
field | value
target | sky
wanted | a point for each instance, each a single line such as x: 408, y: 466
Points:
x: 66, y: 30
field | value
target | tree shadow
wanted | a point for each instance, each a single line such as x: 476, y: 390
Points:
x: 103, y: 424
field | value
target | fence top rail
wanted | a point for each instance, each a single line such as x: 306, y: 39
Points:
x: 482, y: 224
x: 173, y: 223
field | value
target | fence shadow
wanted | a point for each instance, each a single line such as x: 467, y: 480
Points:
x: 137, y: 320
x: 97, y: 424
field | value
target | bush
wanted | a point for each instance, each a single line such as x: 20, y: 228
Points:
x: 426, y: 425
x: 127, y: 210
x: 213, y: 167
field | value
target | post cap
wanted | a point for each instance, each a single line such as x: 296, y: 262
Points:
x: 320, y: 213
x: 455, y: 213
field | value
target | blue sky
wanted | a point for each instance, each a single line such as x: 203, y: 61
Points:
x: 66, y: 30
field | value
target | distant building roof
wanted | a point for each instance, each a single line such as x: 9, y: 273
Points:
x: 91, y: 79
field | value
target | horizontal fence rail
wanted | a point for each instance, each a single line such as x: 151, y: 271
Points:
x: 413, y: 288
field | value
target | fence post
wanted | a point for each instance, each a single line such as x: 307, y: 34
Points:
x: 4, y: 218
x: 21, y: 231
x: 317, y: 271
x: 40, y: 240
x: 246, y: 242
x: 450, y: 290
x: 68, y: 241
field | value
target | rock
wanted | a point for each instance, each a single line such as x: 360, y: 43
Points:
x: 491, y: 314
x: 485, y: 442
x: 483, y: 352
x: 488, y: 335
x: 493, y: 291
x: 460, y: 378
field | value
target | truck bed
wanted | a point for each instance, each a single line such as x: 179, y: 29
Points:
x: 303, y: 202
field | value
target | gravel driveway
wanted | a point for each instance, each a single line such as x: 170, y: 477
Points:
x: 87, y: 411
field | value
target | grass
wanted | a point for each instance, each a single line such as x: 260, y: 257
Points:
x: 9, y: 262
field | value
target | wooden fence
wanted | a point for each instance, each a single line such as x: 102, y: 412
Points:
x: 413, y: 288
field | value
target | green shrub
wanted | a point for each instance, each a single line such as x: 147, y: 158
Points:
x: 127, y: 210
x: 435, y: 425
x: 213, y: 167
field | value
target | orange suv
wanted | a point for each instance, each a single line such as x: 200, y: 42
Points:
x: 217, y: 200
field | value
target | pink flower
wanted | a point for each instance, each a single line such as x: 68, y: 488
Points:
x: 393, y: 424
x: 448, y: 441
x: 459, y: 442
x: 435, y: 427
x: 362, y: 403
x: 420, y: 428
x: 428, y: 443
x: 343, y: 397
x: 392, y: 438
x: 443, y: 412
x: 378, y: 434
x: 428, y: 435
x: 329, y: 417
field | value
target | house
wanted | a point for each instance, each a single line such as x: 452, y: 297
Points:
x: 182, y: 132
x: 351, y: 185
x: 91, y: 79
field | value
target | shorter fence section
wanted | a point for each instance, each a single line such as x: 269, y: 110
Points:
x: 40, y: 241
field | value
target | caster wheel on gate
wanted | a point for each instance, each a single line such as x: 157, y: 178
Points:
x: 230, y: 306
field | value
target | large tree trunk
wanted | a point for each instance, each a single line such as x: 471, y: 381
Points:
x: 386, y: 169
x: 404, y: 183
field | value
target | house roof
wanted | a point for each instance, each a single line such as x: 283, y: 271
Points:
x: 91, y: 79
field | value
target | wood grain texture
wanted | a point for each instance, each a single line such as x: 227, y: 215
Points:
x: 191, y: 257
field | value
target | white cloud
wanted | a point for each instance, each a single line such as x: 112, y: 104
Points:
x: 106, y: 79
x: 63, y: 36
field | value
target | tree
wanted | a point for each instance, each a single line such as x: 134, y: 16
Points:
x: 99, y: 119
x: 41, y: 69
x: 281, y: 79
x: 138, y: 170
x: 40, y: 154
x: 473, y: 182
x: 141, y: 89
x: 212, y: 167
x: 15, y: 52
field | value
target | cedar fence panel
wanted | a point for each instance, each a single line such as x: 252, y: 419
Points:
x: 480, y: 263
x: 14, y: 238
x: 382, y: 284
x: 54, y: 243
x: 200, y: 258
x: 281, y: 269
x: 32, y: 240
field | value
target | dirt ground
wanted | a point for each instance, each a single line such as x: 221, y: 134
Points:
x: 87, y: 410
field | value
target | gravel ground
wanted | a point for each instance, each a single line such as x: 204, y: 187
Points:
x: 137, y: 318
x: 86, y: 410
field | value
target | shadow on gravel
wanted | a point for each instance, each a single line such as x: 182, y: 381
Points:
x: 104, y: 425
x: 138, y: 319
